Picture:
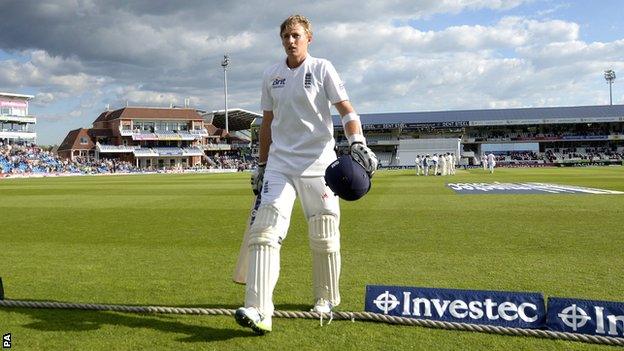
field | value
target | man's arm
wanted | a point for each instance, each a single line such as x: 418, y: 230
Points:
x: 264, y: 139
x: 265, y: 136
x: 351, y: 127
x: 357, y: 142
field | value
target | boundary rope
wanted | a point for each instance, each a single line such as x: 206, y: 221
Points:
x: 353, y: 316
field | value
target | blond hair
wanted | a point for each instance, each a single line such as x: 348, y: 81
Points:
x: 295, y: 20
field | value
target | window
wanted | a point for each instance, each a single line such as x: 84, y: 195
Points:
x: 84, y: 141
x: 19, y: 111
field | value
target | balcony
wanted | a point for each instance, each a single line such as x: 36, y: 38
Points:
x: 20, y: 119
x: 163, y: 135
x: 217, y: 147
x: 115, y: 148
x: 17, y: 134
x: 199, y: 132
x: 168, y: 152
x: 125, y: 132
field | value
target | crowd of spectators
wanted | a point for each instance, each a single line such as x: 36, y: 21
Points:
x: 30, y: 159
x: 588, y: 154
x: 230, y: 160
x: 553, y: 133
x: 518, y: 156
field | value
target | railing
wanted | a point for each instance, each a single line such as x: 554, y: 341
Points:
x: 12, y: 118
x: 115, y: 148
x: 17, y: 134
x: 145, y: 152
x: 125, y: 132
x: 193, y: 151
x: 163, y: 135
x: 200, y: 132
x: 217, y: 147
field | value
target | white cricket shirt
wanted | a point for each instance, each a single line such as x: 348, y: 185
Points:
x: 302, y: 131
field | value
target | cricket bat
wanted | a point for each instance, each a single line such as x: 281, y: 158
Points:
x: 240, y: 272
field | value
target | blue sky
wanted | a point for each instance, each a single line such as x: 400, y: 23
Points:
x: 77, y: 56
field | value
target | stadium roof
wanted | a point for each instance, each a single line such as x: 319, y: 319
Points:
x: 21, y: 96
x: 534, y: 115
x: 149, y: 113
x: 72, y: 140
x: 238, y: 119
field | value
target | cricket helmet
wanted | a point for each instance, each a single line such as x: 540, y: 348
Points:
x: 347, y: 178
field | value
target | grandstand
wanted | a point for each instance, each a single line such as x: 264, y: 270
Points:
x: 16, y: 125
x: 546, y: 136
x: 161, y: 138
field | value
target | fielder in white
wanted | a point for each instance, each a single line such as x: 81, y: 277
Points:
x: 491, y: 161
x: 443, y: 164
x: 418, y: 164
x: 296, y: 146
x: 452, y: 162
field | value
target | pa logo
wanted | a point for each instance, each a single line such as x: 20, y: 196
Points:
x: 6, y: 341
x: 386, y: 302
x: 574, y: 317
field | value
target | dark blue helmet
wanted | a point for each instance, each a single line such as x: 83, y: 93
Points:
x: 347, y: 178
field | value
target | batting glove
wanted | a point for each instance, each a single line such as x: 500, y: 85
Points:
x: 365, y: 157
x: 257, y: 177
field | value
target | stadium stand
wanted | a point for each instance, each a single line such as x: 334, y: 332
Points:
x: 522, y: 136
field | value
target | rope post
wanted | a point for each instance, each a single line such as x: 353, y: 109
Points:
x: 1, y: 290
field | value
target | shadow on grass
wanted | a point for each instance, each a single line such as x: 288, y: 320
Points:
x: 293, y: 307
x: 81, y: 320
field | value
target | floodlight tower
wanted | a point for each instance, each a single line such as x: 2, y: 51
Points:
x: 224, y: 64
x: 610, y: 77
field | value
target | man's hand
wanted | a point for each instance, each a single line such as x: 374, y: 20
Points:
x: 364, y: 156
x: 257, y: 177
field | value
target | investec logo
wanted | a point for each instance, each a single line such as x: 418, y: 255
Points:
x: 586, y: 316
x: 525, y: 310
x: 460, y: 309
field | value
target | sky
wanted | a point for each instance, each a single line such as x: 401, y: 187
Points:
x: 78, y: 56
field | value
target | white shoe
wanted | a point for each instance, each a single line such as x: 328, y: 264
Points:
x: 322, y: 306
x: 250, y: 317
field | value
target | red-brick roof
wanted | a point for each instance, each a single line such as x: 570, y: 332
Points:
x: 72, y: 140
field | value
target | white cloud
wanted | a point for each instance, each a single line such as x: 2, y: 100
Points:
x: 85, y: 54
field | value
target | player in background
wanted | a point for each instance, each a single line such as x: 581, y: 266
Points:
x: 442, y: 160
x: 426, y: 161
x: 484, y: 161
x: 491, y: 162
x: 296, y: 146
x: 418, y: 164
x: 452, y: 162
x: 434, y: 161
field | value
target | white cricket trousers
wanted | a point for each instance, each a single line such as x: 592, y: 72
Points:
x: 322, y: 211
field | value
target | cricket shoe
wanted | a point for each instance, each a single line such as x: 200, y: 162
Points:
x: 250, y: 317
x: 323, y: 307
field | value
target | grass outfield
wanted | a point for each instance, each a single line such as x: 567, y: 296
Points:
x: 173, y: 239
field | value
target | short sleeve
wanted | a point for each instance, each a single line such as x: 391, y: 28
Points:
x: 266, y: 101
x: 333, y: 85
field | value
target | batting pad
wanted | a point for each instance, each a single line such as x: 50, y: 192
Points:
x: 264, y: 260
x: 325, y: 245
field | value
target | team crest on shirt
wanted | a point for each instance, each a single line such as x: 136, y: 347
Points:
x: 278, y: 82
